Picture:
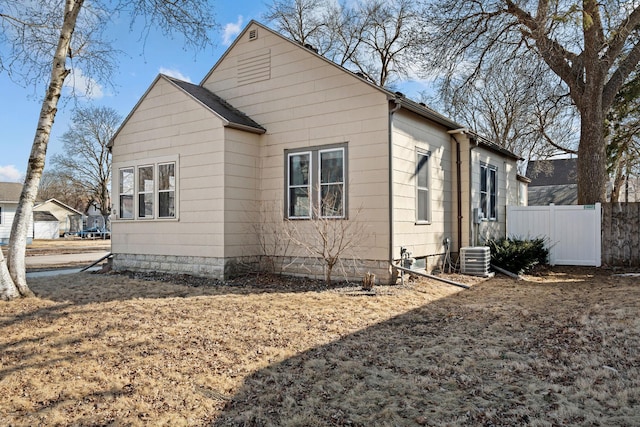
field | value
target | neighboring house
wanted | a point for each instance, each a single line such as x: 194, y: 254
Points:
x: 277, y: 131
x: 69, y: 219
x: 553, y: 181
x: 45, y: 225
x: 9, y: 198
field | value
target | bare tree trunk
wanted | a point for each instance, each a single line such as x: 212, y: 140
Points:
x: 8, y: 290
x: 24, y: 212
x: 618, y: 182
x: 592, y: 157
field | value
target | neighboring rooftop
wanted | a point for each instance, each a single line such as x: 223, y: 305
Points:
x: 552, y: 172
x: 10, y: 191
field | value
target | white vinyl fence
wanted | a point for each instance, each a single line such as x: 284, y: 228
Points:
x: 573, y: 233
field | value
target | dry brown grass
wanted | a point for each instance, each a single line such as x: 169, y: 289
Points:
x: 557, y: 349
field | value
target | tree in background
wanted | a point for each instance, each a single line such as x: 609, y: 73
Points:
x: 56, y: 185
x: 591, y: 46
x: 46, y: 41
x: 622, y: 132
x: 85, y: 160
x: 518, y: 104
x: 382, y: 40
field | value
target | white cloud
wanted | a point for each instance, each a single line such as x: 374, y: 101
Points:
x: 175, y: 74
x: 82, y: 85
x: 231, y: 30
x: 10, y: 173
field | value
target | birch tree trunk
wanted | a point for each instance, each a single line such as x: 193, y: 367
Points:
x: 16, y: 284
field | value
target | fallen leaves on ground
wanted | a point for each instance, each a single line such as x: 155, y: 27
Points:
x: 558, y: 348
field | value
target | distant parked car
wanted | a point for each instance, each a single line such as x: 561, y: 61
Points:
x: 94, y: 233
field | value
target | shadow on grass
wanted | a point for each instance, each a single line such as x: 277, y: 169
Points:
x: 503, y: 353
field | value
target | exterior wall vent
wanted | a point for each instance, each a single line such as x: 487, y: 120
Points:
x: 253, y: 34
x: 475, y: 260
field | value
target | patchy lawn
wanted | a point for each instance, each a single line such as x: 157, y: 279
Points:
x: 557, y: 349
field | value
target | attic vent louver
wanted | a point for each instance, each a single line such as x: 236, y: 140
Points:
x: 253, y: 34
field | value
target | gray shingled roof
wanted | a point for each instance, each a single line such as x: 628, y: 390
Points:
x: 10, y: 191
x: 552, y: 172
x: 44, y: 216
x: 219, y: 105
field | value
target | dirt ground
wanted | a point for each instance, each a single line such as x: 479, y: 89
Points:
x: 559, y: 348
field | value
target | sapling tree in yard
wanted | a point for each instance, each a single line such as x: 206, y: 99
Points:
x: 329, y: 235
x: 47, y: 41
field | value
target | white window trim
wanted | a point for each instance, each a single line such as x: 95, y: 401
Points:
x: 153, y: 192
x: 315, y: 178
x: 488, y: 169
x: 308, y: 186
x: 427, y: 154
x: 319, y: 195
x: 155, y: 162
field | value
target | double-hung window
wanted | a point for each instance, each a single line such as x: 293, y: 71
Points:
x: 299, y: 193
x: 423, y: 204
x: 147, y: 191
x: 126, y: 193
x: 315, y: 182
x: 488, y: 191
x: 332, y: 183
x: 167, y: 190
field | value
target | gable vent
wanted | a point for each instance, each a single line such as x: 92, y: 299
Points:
x: 253, y: 34
x: 254, y: 67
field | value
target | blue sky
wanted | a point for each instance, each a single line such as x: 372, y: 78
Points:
x: 20, y: 106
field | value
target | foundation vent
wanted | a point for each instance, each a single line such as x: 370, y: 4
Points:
x: 475, y: 260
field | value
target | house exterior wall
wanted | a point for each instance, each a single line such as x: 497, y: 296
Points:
x: 7, y: 213
x: 411, y: 135
x: 507, y: 194
x: 306, y: 102
x: 169, y: 126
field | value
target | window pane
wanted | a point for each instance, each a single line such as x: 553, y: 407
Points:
x: 126, y: 181
x: 299, y: 202
x: 332, y: 200
x: 167, y: 204
x: 126, y: 206
x: 126, y: 193
x: 145, y: 205
x: 422, y: 171
x: 145, y: 179
x: 483, y: 204
x: 299, y: 169
x: 492, y: 193
x: 145, y: 192
x: 331, y: 166
x: 166, y: 177
x: 423, y: 205
x: 483, y: 178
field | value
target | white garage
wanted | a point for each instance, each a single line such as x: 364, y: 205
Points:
x: 45, y: 225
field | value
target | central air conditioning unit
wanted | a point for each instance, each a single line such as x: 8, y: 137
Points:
x: 475, y: 260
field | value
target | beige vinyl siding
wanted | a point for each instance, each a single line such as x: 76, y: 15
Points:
x: 168, y: 125
x: 411, y: 134
x: 507, y: 184
x: 242, y: 165
x: 308, y: 102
